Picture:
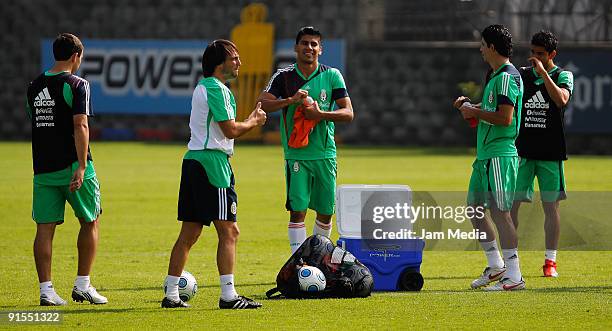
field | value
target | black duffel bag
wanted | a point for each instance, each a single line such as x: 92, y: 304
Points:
x: 345, y: 276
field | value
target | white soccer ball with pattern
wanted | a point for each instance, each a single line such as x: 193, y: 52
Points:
x: 187, y: 286
x: 311, y: 279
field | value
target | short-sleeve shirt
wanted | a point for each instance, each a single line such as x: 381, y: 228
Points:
x: 565, y: 79
x: 542, y: 133
x: 504, y: 86
x: 53, y: 99
x: 325, y: 85
x: 212, y: 102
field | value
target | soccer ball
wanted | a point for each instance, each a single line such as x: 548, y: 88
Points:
x: 187, y: 286
x: 311, y: 279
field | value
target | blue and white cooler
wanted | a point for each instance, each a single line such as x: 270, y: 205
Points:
x: 374, y: 225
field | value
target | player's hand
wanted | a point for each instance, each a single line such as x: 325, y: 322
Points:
x: 77, y: 179
x: 466, y: 110
x: 258, y: 115
x: 299, y: 96
x: 312, y: 111
x: 537, y: 65
x: 460, y: 100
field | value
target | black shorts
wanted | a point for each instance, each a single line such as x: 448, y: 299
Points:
x: 199, y: 201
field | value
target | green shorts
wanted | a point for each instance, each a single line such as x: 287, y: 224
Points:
x: 49, y: 201
x: 311, y: 184
x: 551, y: 180
x: 495, y: 177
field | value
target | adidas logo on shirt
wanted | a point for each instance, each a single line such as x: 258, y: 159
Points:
x: 43, y: 99
x: 537, y: 102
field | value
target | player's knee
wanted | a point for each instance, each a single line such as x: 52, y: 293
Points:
x: 550, y: 207
x: 478, y: 217
x: 229, y: 234
x: 297, y: 216
x: 187, y: 239
x: 45, y: 231
x: 90, y: 228
x: 515, y: 207
x: 502, y: 218
x: 324, y: 218
x: 234, y: 232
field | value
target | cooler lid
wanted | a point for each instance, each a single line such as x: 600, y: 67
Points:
x: 348, y: 205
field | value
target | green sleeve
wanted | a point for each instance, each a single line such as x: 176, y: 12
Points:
x: 507, y: 89
x: 566, y: 80
x: 337, y: 80
x: 68, y: 96
x: 28, y: 109
x: 220, y: 103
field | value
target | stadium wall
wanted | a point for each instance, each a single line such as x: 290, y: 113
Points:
x: 401, y: 90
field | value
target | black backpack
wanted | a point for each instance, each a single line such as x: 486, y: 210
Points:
x: 345, y: 276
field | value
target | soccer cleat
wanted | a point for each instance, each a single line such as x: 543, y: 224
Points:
x: 506, y: 285
x: 52, y: 300
x: 239, y: 303
x: 90, y: 295
x: 550, y: 268
x: 488, y: 276
x: 169, y: 303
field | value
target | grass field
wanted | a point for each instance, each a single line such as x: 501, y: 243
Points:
x: 139, y: 184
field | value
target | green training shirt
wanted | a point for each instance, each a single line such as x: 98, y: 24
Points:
x: 212, y: 102
x: 504, y: 86
x: 325, y: 85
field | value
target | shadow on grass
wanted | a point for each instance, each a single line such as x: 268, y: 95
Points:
x: 137, y: 310
x: 575, y: 289
x: 156, y: 288
x: 151, y: 288
x: 583, y: 289
x: 448, y: 277
x: 103, y: 310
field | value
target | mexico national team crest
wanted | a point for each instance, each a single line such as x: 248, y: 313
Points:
x: 490, y: 96
x: 233, y: 208
x: 296, y: 166
x: 323, y: 95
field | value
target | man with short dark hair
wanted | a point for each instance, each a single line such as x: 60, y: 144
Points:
x: 207, y: 192
x: 307, y: 132
x: 58, y: 104
x: 494, y: 171
x: 541, y: 142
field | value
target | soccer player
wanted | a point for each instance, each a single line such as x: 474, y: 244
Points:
x: 207, y: 181
x: 58, y: 104
x: 541, y: 142
x: 307, y: 132
x: 494, y: 171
